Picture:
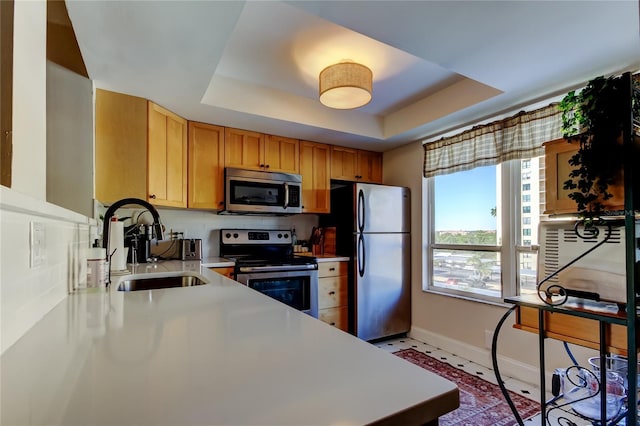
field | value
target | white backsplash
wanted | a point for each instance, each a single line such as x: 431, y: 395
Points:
x: 28, y: 292
x: 206, y: 225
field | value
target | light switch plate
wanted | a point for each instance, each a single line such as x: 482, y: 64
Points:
x: 37, y: 244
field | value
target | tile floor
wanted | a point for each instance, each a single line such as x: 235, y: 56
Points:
x: 526, y: 389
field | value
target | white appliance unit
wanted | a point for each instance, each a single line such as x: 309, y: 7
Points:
x: 599, y: 275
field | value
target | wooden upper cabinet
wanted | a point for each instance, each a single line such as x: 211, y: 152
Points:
x: 356, y: 165
x: 344, y: 163
x: 369, y: 166
x: 120, y: 147
x: 244, y: 149
x: 167, y: 157
x: 281, y: 154
x: 315, y: 168
x: 557, y: 168
x: 206, y: 166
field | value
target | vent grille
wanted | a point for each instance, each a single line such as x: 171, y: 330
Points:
x: 551, y: 255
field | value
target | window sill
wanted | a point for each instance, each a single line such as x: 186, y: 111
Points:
x: 468, y: 298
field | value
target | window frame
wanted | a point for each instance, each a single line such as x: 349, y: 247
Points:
x: 509, y: 248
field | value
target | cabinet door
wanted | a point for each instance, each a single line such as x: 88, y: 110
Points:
x: 243, y: 149
x: 227, y: 271
x: 369, y: 167
x: 557, y: 168
x: 167, y: 160
x: 315, y: 168
x: 281, y: 154
x: 206, y: 166
x: 344, y: 163
x: 121, y: 147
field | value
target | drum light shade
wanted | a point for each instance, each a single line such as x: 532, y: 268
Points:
x: 345, y: 85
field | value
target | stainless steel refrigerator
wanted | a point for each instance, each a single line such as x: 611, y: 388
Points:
x: 373, y: 228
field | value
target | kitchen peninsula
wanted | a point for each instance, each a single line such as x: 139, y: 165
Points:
x: 215, y: 354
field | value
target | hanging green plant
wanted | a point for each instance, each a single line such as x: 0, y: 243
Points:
x: 595, y: 118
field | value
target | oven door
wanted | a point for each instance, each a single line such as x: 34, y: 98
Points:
x: 298, y: 289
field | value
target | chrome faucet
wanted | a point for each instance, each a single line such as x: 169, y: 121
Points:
x: 157, y: 226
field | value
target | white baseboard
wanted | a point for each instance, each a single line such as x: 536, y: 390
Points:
x: 509, y: 367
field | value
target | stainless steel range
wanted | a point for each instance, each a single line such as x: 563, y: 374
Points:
x: 264, y: 261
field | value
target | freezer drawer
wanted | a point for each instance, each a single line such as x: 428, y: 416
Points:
x: 382, y: 281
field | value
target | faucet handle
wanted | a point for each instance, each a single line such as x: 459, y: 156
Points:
x: 157, y: 226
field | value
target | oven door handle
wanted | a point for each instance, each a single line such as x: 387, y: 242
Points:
x: 248, y: 269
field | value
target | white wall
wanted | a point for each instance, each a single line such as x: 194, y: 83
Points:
x: 27, y: 293
x: 455, y: 324
x: 29, y: 98
x: 69, y: 140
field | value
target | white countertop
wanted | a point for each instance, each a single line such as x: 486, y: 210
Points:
x: 216, y: 354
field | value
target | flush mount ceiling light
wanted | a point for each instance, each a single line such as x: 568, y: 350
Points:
x: 345, y: 85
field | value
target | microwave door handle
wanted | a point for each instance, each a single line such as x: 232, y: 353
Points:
x: 286, y: 195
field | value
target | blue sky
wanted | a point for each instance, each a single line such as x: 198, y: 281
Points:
x: 464, y: 200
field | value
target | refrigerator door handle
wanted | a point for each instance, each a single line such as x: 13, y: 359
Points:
x: 361, y: 255
x: 361, y: 216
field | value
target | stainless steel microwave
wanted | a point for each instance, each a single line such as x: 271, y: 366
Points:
x: 256, y: 192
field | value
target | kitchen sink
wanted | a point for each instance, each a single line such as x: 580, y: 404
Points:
x: 158, y: 282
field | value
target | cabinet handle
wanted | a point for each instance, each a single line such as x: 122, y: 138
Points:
x: 333, y: 324
x: 267, y: 166
x: 332, y: 293
x: 332, y: 269
x: 152, y: 196
x: 261, y: 165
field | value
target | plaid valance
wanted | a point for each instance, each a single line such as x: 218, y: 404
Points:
x: 517, y: 137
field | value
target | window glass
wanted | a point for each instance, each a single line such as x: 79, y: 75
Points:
x: 465, y: 207
x: 466, y: 256
x: 470, y: 271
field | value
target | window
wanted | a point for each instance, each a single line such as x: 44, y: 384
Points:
x: 475, y: 248
x: 526, y: 221
x: 526, y: 198
x: 526, y: 187
x: 526, y: 164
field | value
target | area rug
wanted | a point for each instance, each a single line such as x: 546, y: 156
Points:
x: 481, y: 402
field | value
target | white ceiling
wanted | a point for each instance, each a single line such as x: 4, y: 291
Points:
x: 437, y: 65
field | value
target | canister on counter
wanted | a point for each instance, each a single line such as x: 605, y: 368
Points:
x: 97, y: 267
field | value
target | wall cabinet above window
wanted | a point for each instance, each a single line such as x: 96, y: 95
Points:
x: 557, y: 168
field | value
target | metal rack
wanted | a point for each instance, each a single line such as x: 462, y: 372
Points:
x: 628, y: 317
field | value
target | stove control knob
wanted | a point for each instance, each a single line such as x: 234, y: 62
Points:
x: 286, y: 235
x: 235, y: 235
x: 227, y: 235
x: 279, y: 235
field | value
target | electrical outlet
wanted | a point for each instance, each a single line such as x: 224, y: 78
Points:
x: 37, y: 244
x: 488, y: 338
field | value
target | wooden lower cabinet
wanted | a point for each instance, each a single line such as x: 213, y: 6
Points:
x: 572, y: 329
x: 333, y: 295
x: 227, y: 271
